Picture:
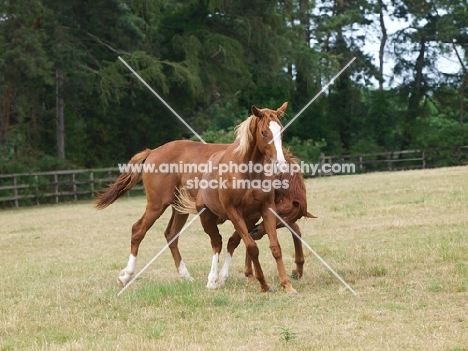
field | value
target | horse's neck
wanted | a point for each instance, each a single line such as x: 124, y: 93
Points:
x: 257, y: 156
x: 253, y: 154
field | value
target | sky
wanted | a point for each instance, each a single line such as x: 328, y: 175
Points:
x: 446, y: 64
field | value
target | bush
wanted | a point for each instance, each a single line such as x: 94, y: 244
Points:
x: 30, y: 165
x: 365, y: 147
x: 306, y: 150
x: 218, y: 137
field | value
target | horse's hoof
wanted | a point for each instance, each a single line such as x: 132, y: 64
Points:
x: 123, y: 278
x: 187, y: 278
x: 272, y: 289
x: 212, y: 285
x: 296, y: 275
x: 221, y: 281
x: 293, y: 293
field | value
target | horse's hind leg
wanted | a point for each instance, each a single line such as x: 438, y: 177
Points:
x: 139, y: 230
x: 174, y: 226
x: 210, y: 224
x: 233, y: 242
x: 299, y: 254
x: 232, y: 245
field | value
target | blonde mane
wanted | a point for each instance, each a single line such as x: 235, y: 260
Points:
x: 244, y: 134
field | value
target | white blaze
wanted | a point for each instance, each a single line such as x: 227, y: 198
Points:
x: 276, y: 130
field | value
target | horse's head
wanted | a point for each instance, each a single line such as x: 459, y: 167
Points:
x: 290, y: 202
x: 290, y: 209
x: 268, y: 132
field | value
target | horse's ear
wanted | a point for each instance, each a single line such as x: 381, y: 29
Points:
x: 256, y: 111
x: 310, y: 215
x: 282, y: 109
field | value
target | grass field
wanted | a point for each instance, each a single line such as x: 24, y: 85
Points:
x: 399, y: 239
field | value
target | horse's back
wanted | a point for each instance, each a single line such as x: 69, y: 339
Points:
x: 186, y: 151
x: 169, y: 166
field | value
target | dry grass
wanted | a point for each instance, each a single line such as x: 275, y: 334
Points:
x: 399, y: 239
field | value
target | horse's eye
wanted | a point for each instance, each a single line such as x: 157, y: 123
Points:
x: 263, y: 134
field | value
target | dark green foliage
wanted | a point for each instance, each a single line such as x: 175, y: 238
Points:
x: 211, y: 61
x: 306, y: 150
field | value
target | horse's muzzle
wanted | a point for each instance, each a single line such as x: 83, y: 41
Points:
x: 255, y: 233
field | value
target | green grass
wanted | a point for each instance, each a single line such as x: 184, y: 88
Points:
x: 399, y: 239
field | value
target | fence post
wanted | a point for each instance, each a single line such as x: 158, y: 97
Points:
x: 56, y: 188
x: 423, y: 159
x: 15, y: 191
x: 389, y: 161
x: 322, y: 161
x: 360, y: 163
x: 74, y: 186
x: 91, y: 178
x: 36, y: 178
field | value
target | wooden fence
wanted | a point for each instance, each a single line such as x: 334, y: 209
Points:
x: 72, y: 185
x: 49, y: 187
x: 401, y: 160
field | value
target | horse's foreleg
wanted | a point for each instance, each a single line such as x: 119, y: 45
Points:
x: 232, y: 245
x: 269, y: 221
x: 209, y: 223
x: 139, y: 230
x: 299, y: 254
x: 173, y: 228
x: 248, y: 271
x: 250, y: 246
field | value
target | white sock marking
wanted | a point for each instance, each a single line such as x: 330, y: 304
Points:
x: 213, y: 276
x: 127, y: 273
x: 224, y: 273
x: 183, y: 272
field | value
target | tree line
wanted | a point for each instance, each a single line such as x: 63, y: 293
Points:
x: 68, y: 101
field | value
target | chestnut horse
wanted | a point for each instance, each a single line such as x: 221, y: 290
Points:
x: 258, y: 143
x: 290, y: 206
x: 161, y: 191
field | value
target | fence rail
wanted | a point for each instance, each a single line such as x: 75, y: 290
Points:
x: 401, y: 160
x: 49, y: 187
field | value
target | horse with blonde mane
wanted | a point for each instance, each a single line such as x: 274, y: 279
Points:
x: 162, y: 190
x: 258, y: 142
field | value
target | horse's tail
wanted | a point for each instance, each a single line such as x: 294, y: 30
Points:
x: 124, y: 182
x: 184, y: 202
